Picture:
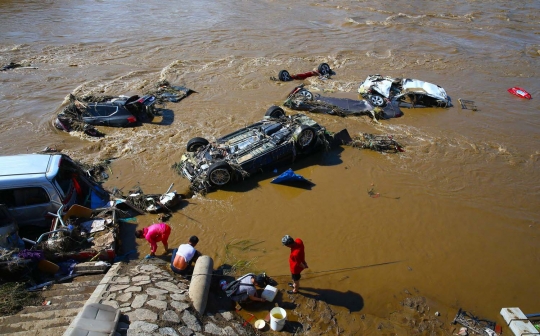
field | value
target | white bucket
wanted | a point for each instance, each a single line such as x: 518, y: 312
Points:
x: 278, y: 317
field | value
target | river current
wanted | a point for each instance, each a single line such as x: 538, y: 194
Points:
x: 458, y: 210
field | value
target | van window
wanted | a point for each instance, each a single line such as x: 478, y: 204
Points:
x: 20, y: 197
x: 64, y: 178
x: 5, y: 218
x: 7, y: 198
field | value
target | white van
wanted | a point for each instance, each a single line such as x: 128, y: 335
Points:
x: 34, y: 185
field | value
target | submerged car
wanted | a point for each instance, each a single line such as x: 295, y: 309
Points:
x: 302, y: 99
x: 381, y: 90
x: 121, y: 111
x: 261, y: 145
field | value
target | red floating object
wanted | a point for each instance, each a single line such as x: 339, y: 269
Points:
x: 519, y: 92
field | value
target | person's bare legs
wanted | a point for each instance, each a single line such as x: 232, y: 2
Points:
x: 296, y: 285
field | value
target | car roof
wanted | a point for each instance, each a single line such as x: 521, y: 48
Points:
x: 26, y: 164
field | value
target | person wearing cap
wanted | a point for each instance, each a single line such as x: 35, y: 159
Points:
x: 184, y: 256
x: 155, y: 233
x: 297, y: 261
x: 247, y: 289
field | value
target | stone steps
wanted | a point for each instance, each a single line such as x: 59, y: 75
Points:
x: 56, y: 292
x: 55, y: 331
x: 40, y: 315
x: 51, y: 320
x: 54, y: 306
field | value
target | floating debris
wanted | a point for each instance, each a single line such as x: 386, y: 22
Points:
x: 467, y: 104
x: 289, y: 176
x: 379, y: 143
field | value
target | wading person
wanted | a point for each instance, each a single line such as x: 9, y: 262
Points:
x: 184, y: 256
x: 155, y: 233
x: 297, y: 261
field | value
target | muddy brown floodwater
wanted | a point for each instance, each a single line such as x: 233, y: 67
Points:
x: 458, y: 211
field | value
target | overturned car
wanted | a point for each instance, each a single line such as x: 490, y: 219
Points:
x: 121, y: 111
x: 261, y: 145
x: 301, y: 99
x: 381, y: 90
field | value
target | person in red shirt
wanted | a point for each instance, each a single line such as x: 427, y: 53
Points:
x: 297, y: 260
x: 155, y: 233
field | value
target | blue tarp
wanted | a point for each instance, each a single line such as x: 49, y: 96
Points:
x: 289, y: 176
x: 96, y: 201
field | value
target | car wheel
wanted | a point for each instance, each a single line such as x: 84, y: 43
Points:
x: 377, y: 100
x: 219, y: 174
x: 194, y: 144
x: 284, y: 76
x: 275, y: 112
x: 305, y: 93
x: 324, y: 69
x: 305, y: 137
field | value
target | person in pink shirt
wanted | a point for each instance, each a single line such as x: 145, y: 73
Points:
x: 155, y: 233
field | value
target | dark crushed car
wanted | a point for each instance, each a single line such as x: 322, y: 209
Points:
x: 119, y: 111
x: 301, y: 99
x: 261, y: 145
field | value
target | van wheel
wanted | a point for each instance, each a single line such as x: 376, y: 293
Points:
x: 219, y: 174
x: 194, y: 144
x: 275, y: 112
x: 305, y: 137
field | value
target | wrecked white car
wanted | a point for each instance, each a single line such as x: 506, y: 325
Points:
x: 381, y: 90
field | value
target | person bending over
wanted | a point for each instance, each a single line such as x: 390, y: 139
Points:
x: 184, y: 256
x: 155, y: 233
x: 247, y: 291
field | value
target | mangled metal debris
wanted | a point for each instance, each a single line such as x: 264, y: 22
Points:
x: 479, y: 326
x: 165, y: 92
x: 379, y: 143
x: 153, y: 203
x: 381, y: 90
x: 467, y: 104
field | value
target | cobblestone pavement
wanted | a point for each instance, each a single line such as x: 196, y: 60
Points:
x: 154, y: 301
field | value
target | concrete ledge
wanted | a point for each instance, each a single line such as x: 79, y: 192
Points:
x: 95, y: 298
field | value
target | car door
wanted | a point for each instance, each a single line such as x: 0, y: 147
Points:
x: 30, y: 205
x: 9, y: 237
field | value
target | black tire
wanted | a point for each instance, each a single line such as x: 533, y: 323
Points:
x: 324, y: 69
x: 219, y: 174
x: 275, y: 112
x: 377, y: 100
x: 305, y: 137
x: 305, y: 93
x: 194, y: 144
x: 284, y: 76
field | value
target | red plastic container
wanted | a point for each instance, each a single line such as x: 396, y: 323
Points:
x: 516, y: 91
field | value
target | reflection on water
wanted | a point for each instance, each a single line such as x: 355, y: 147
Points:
x: 462, y: 200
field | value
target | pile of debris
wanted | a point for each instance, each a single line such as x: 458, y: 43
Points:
x: 379, y: 143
